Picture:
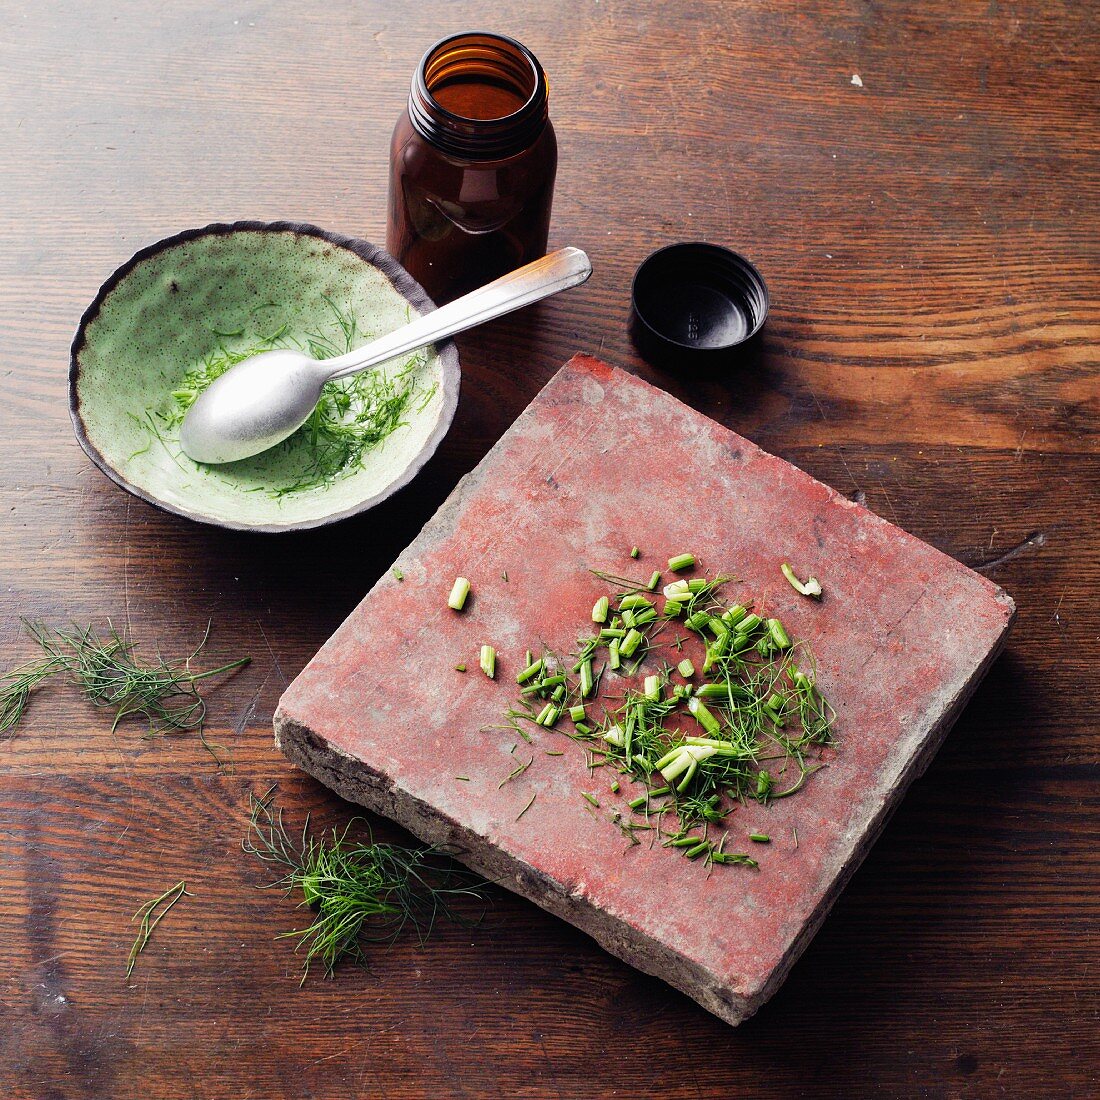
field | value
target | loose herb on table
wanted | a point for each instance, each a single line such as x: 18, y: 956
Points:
x: 357, y: 891
x: 151, y: 913
x: 106, y: 667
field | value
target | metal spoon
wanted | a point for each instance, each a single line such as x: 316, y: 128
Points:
x: 260, y: 401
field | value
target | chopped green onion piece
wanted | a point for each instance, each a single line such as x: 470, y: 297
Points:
x: 588, y: 684
x: 677, y: 590
x: 459, y: 592
x: 629, y: 644
x: 698, y: 710
x: 712, y: 691
x: 540, y: 718
x: 614, y: 786
x: 558, y: 694
x: 582, y: 728
x: 397, y: 574
x: 717, y: 627
x: 748, y: 624
x: 613, y: 659
x: 614, y: 736
x: 652, y: 688
x: 463, y: 778
x: 684, y: 842
x: 681, y: 561
x: 812, y: 587
x: 779, y: 635
x: 697, y: 621
x: 600, y: 609
x: 673, y: 608
x: 460, y: 668
x: 533, y: 669
x: 591, y: 798
x: 686, y: 668
x: 577, y: 713
x: 633, y: 601
x: 609, y: 632
x: 528, y: 660
x: 696, y: 585
x: 628, y: 618
x: 634, y: 552
x: 734, y: 614
x: 551, y: 681
x: 760, y: 838
x: 639, y: 802
x: 654, y: 580
x: 645, y: 615
x: 489, y: 661
x: 698, y: 850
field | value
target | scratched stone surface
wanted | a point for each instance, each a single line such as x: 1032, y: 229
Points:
x: 599, y: 462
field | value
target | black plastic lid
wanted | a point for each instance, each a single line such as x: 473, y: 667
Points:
x: 695, y: 302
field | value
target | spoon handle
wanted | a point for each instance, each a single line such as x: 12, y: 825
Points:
x: 558, y: 271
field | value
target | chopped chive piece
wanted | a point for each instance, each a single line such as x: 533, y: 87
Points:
x: 613, y: 658
x: 673, y: 608
x: 734, y: 614
x: 577, y: 713
x: 591, y: 798
x: 812, y: 587
x: 629, y: 644
x: 633, y: 602
x: 614, y: 786
x: 634, y: 552
x: 699, y: 712
x: 528, y: 806
x: 639, y: 802
x: 733, y: 857
x: 654, y: 580
x: 685, y: 841
x: 533, y: 669
x: 600, y: 609
x: 652, y: 688
x: 460, y: 668
x: 558, y: 694
x: 459, y: 592
x: 554, y: 752
x: 643, y: 615
x: 463, y: 778
x: 779, y: 635
x: 528, y: 660
x: 397, y: 574
x: 551, y: 681
x: 698, y: 850
x: 681, y: 561
x: 611, y: 632
x: 588, y: 684
x: 489, y: 661
x: 717, y: 627
x: 760, y: 838
x: 748, y: 624
x: 697, y: 621
x: 583, y: 728
x: 685, y: 668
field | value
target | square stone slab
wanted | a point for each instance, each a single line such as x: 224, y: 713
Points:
x: 600, y: 462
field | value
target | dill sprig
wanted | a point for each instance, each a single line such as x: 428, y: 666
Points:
x: 151, y: 913
x: 108, y: 670
x: 358, y: 892
x: 353, y: 416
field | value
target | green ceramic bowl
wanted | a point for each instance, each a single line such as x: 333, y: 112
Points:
x: 226, y: 289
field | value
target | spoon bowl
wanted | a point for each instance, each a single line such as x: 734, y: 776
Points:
x: 253, y: 406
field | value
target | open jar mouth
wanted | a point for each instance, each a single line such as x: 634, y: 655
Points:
x: 479, y: 95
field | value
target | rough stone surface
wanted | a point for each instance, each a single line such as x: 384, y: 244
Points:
x: 599, y: 462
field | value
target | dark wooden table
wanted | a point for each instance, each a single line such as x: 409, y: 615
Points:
x: 931, y: 241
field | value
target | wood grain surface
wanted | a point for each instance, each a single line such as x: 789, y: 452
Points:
x: 931, y: 244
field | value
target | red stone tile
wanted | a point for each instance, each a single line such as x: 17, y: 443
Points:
x: 601, y: 461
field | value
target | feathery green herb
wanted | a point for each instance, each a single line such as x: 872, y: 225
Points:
x: 151, y: 913
x: 357, y: 891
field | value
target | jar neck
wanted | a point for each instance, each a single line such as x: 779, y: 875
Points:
x: 479, y: 96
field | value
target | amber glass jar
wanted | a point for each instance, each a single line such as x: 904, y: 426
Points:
x: 472, y: 165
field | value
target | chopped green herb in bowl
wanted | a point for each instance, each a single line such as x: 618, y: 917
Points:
x: 185, y: 310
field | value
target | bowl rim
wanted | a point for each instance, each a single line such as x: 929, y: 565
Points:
x: 372, y: 254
